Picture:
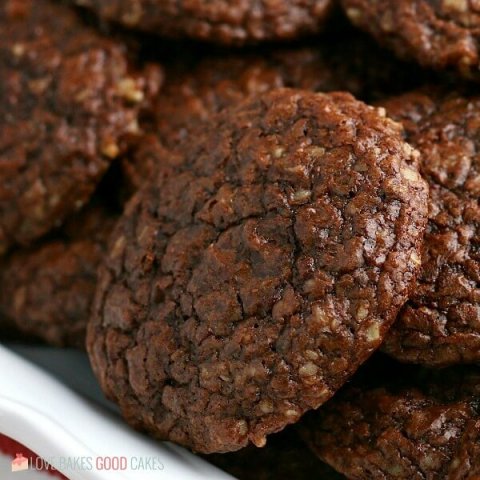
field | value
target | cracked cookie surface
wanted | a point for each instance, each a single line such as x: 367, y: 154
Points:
x: 216, y: 82
x: 67, y: 95
x: 250, y: 279
x: 444, y: 34
x: 418, y: 425
x: 440, y: 324
x: 211, y: 83
x: 221, y: 21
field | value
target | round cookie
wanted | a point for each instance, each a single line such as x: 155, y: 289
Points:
x: 223, y: 21
x: 250, y: 279
x: 443, y: 34
x: 418, y: 425
x: 67, y: 96
x: 286, y: 457
x: 440, y: 324
x: 47, y: 289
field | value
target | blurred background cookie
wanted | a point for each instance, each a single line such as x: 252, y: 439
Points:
x: 201, y: 81
x: 440, y: 324
x: 47, y: 289
x: 67, y: 96
x: 230, y: 22
x: 443, y: 34
x: 402, y: 423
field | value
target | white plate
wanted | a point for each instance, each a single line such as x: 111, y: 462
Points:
x: 59, y: 424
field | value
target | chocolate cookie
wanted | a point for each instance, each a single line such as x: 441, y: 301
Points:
x: 440, y: 325
x: 286, y: 457
x: 444, y: 34
x: 222, y: 21
x: 216, y: 82
x: 419, y: 426
x: 196, y: 90
x: 47, y: 289
x: 67, y: 95
x: 253, y: 276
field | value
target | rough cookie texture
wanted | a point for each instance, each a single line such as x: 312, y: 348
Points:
x: 440, y: 325
x: 443, y: 34
x: 419, y: 426
x: 47, y: 290
x: 67, y: 95
x: 217, y: 82
x: 198, y: 90
x: 248, y: 281
x: 222, y: 21
x: 285, y: 457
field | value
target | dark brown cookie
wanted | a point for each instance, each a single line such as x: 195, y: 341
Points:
x: 418, y: 426
x: 67, y: 95
x: 345, y: 60
x: 248, y: 281
x: 440, y: 325
x: 219, y: 81
x: 444, y: 34
x: 286, y: 457
x: 47, y: 290
x: 222, y: 21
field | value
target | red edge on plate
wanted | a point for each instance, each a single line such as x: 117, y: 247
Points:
x: 12, y: 448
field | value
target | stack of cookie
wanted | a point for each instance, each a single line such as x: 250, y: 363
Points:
x: 233, y: 205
